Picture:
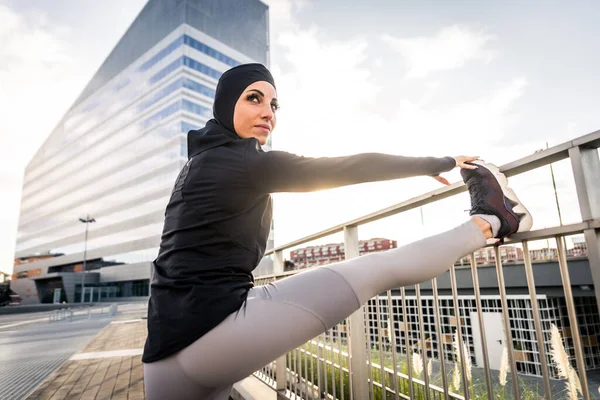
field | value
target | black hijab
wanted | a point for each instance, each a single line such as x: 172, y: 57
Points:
x: 231, y: 85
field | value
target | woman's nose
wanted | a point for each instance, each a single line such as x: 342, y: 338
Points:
x: 268, y: 113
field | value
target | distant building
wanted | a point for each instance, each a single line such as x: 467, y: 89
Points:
x: 579, y: 247
x: 334, y: 252
x: 30, y: 259
x: 509, y: 254
x: 544, y: 254
x: 487, y: 255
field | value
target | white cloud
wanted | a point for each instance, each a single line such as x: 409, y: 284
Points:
x: 470, y: 125
x: 281, y: 13
x: 38, y: 80
x: 324, y: 101
x: 451, y: 48
x: 572, y: 131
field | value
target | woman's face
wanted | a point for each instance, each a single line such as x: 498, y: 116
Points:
x: 254, y: 112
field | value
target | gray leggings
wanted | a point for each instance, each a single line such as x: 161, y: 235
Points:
x: 283, y: 315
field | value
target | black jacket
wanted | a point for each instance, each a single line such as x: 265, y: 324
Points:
x: 218, y: 219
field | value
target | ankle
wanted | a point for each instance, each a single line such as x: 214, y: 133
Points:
x: 485, y: 226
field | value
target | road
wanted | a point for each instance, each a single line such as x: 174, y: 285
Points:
x: 31, y: 347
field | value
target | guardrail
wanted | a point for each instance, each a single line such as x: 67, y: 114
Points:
x: 67, y: 314
x: 402, y: 344
x: 60, y: 315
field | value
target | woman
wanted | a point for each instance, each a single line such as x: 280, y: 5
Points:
x: 208, y: 326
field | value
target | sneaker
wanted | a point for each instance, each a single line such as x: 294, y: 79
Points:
x: 490, y: 194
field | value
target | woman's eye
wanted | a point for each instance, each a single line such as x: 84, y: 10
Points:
x: 274, y: 107
x: 253, y: 98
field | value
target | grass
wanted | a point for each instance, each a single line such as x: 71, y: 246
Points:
x: 306, y: 364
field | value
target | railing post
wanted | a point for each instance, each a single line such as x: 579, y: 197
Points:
x: 586, y: 171
x: 280, y: 375
x: 278, y: 262
x: 357, y: 344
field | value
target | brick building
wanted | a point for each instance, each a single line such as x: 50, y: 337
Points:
x: 334, y: 252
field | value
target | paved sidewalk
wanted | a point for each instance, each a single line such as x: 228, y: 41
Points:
x: 109, y: 367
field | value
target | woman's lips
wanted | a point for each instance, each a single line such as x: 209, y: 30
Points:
x: 265, y: 128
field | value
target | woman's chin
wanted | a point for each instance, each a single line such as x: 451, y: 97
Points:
x: 262, y: 139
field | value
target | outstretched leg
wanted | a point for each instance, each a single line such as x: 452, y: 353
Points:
x: 283, y: 315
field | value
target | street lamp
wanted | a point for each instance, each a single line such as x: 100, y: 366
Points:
x: 87, y: 220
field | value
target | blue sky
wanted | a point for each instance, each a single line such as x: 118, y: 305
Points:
x: 496, y: 79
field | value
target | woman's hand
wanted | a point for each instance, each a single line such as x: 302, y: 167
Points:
x: 460, y: 162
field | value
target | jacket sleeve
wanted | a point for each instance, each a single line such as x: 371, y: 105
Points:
x: 279, y: 171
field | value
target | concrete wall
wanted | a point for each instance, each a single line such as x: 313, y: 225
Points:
x: 26, y: 289
x: 70, y: 279
x: 126, y: 272
x: 546, y: 275
x: 125, y: 299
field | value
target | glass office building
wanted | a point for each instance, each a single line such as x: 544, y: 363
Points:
x: 115, y: 154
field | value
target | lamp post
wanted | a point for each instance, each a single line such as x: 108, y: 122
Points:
x: 87, y: 220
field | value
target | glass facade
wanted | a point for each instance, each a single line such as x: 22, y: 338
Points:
x: 117, y: 151
x: 112, y: 290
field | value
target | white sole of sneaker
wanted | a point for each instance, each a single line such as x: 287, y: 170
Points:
x: 525, y: 218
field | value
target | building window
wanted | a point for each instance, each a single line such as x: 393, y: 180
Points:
x: 196, y: 108
x: 186, y: 127
x: 193, y: 43
x: 100, y: 291
x: 162, y: 54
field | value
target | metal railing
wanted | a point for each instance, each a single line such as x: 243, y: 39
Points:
x: 67, y: 314
x: 61, y: 315
x: 384, y: 349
